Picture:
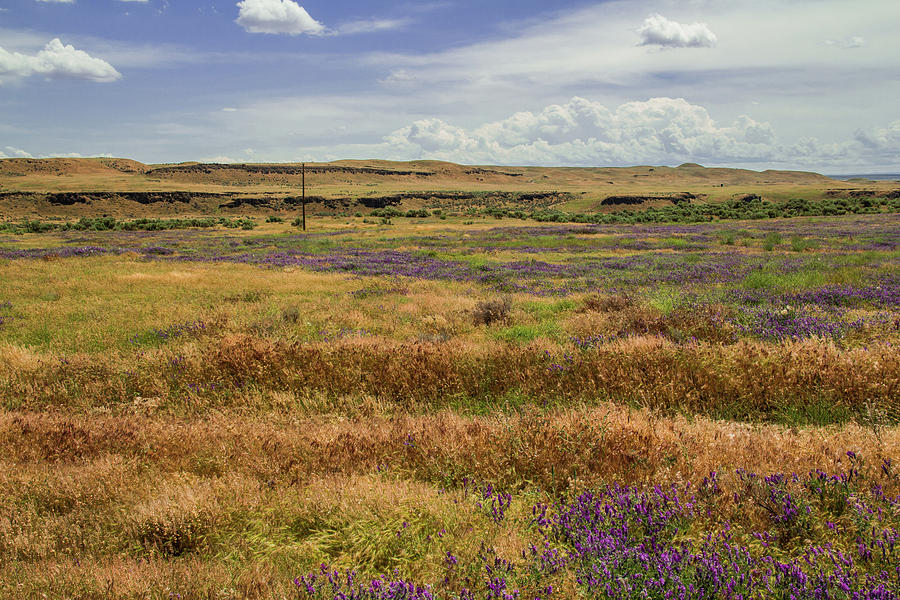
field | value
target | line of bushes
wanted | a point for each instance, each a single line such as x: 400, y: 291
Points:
x: 391, y: 212
x: 752, y: 208
x: 113, y: 224
x: 749, y: 207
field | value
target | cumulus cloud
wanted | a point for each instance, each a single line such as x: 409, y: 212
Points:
x: 55, y: 61
x: 277, y: 17
x: 583, y: 132
x: 885, y: 140
x: 11, y: 152
x: 660, y: 31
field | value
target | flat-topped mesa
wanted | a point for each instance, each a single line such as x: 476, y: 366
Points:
x: 69, y: 166
x: 282, y: 169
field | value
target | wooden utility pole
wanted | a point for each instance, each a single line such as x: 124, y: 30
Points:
x: 303, y: 174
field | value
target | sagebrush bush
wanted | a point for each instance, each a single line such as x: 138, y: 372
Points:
x: 492, y: 311
x: 598, y: 303
x: 290, y: 314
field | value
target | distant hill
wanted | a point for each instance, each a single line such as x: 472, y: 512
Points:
x: 73, y: 187
x: 17, y: 167
x: 342, y: 170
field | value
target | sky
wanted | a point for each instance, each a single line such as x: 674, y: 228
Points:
x: 759, y: 84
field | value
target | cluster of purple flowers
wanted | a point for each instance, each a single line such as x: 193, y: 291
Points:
x: 816, y: 312
x: 592, y: 341
x: 823, y: 536
x: 61, y: 252
x: 793, y: 323
x: 345, y: 586
x: 493, y: 501
x: 880, y: 294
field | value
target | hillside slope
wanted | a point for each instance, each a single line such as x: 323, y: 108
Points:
x: 71, y: 187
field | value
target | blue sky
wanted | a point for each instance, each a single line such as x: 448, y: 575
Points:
x: 809, y: 84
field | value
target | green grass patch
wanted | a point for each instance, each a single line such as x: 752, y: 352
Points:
x: 771, y: 240
x: 801, y: 244
x: 544, y: 310
x: 768, y: 280
x: 522, y: 334
x: 675, y: 242
x: 665, y: 300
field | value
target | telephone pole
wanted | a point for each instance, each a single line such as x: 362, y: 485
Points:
x: 303, y: 202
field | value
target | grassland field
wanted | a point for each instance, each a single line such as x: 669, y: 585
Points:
x: 455, y: 405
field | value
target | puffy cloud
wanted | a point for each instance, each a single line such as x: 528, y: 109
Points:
x: 56, y: 60
x: 882, y: 140
x: 277, y: 16
x: 660, y: 31
x: 583, y: 132
x: 14, y: 153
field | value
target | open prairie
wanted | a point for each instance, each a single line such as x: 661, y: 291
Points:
x: 458, y: 382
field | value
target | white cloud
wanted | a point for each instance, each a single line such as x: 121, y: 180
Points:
x: 58, y: 1
x: 663, y: 131
x: 398, y: 76
x: 277, y: 16
x: 885, y: 139
x: 583, y: 132
x: 11, y: 152
x: 371, y: 26
x: 660, y: 31
x: 220, y: 159
x: 14, y: 153
x: 56, y: 60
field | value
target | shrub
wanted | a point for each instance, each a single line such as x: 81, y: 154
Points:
x: 274, y: 219
x: 387, y: 213
x: 726, y: 237
x: 290, y: 314
x: 799, y: 244
x: 492, y: 311
x: 598, y: 303
x: 771, y: 240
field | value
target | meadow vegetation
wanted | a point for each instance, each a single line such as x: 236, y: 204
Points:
x: 451, y: 406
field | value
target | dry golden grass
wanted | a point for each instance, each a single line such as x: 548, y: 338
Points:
x: 233, y: 506
x: 544, y: 448
x: 745, y: 379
